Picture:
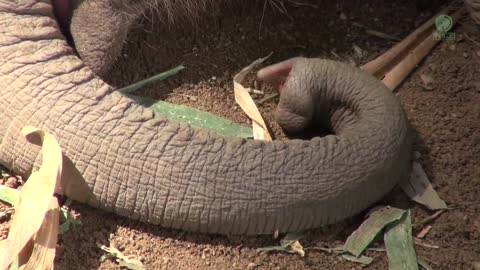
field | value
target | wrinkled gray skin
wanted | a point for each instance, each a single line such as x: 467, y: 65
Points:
x: 140, y: 165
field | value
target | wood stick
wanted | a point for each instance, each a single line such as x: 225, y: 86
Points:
x: 398, y: 73
x: 379, y: 66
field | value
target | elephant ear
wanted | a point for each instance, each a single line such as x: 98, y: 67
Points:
x: 277, y: 74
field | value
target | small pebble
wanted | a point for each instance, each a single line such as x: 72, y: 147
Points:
x: 476, y: 265
x: 253, y: 266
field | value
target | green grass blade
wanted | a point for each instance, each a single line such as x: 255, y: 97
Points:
x: 419, y: 189
x: 290, y: 238
x: 156, y: 78
x: 194, y: 117
x: 14, y: 265
x: 399, y: 242
x: 359, y: 240
x: 8, y: 195
x: 362, y: 259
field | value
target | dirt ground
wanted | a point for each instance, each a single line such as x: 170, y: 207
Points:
x: 444, y: 113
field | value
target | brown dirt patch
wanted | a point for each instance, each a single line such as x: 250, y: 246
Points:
x: 445, y: 117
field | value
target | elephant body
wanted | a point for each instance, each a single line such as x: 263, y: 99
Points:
x: 124, y: 158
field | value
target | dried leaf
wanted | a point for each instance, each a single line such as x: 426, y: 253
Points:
x: 290, y: 238
x: 245, y: 101
x: 125, y: 261
x: 359, y: 240
x: 399, y: 243
x: 419, y: 189
x: 43, y: 254
x: 297, y: 248
x: 289, y: 244
x: 35, y: 198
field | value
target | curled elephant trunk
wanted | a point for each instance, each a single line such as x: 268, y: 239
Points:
x: 141, y: 165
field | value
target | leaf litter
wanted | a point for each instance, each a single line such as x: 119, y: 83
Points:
x: 34, y: 225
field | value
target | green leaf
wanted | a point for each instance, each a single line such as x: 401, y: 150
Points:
x: 124, y: 261
x: 194, y: 117
x: 14, y: 265
x: 132, y: 264
x: 9, y: 195
x: 290, y: 238
x: 419, y: 189
x: 362, y: 259
x: 185, y: 114
x: 359, y: 240
x: 68, y: 221
x: 275, y: 248
x: 156, y: 78
x: 336, y: 250
x: 399, y: 243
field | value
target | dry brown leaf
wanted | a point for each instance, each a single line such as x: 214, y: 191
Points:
x: 245, y: 101
x: 35, y: 199
x: 45, y: 241
x: 297, y: 248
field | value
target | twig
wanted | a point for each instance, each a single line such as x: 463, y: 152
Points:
x: 381, y: 35
x: 423, y: 244
x: 303, y: 4
x: 267, y: 98
x: 430, y: 218
x: 255, y: 91
x: 376, y: 33
x: 424, y: 232
x: 7, y: 212
x: 471, y: 39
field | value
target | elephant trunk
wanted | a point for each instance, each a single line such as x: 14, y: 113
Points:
x: 141, y: 165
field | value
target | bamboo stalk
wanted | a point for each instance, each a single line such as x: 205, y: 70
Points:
x: 398, y: 73
x: 382, y: 64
